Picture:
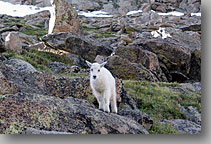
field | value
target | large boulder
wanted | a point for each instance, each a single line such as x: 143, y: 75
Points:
x: 66, y: 18
x: 195, y: 69
x: 27, y: 79
x: 76, y: 44
x: 39, y: 19
x: 124, y: 69
x: 20, y: 65
x: 13, y: 42
x: 23, y: 110
x: 174, y: 53
x: 146, y: 58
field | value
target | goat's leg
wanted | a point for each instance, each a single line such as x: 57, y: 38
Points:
x: 107, y: 96
x: 113, y: 102
x: 100, y: 100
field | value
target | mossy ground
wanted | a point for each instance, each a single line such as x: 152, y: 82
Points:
x: 160, y: 102
x: 39, y: 59
x: 97, y: 31
x: 28, y: 29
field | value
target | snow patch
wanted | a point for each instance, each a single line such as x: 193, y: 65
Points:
x: 19, y: 10
x: 160, y: 33
x: 95, y: 14
x: 134, y: 12
x: 52, y: 20
x: 173, y: 13
x: 196, y: 14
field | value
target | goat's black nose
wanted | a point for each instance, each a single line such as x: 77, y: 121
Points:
x: 94, y: 77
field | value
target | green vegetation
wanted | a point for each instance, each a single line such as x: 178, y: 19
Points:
x: 14, y: 128
x: 98, y: 32
x: 39, y: 59
x: 27, y: 29
x: 159, y: 102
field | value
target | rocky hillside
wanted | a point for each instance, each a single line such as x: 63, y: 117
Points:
x: 156, y: 60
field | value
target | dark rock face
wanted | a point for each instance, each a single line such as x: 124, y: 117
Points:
x: 124, y: 69
x: 174, y: 53
x: 146, y: 58
x: 76, y: 44
x: 195, y: 70
x: 54, y: 114
x: 2, y: 45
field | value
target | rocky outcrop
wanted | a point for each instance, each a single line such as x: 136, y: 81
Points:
x: 192, y: 114
x: 184, y: 126
x: 66, y: 18
x: 174, y: 53
x: 195, y: 68
x: 20, y: 65
x: 124, y: 69
x: 23, y: 110
x: 143, y: 57
x: 121, y: 7
x: 39, y: 19
x: 190, y: 6
x: 76, y: 44
x: 13, y: 42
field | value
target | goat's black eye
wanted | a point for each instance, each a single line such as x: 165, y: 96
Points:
x: 98, y: 70
x: 91, y: 69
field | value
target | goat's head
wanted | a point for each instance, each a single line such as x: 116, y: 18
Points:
x: 95, y: 69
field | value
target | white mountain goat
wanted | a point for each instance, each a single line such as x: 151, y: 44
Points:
x: 103, y: 86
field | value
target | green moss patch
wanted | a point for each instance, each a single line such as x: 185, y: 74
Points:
x: 39, y: 59
x: 160, y: 102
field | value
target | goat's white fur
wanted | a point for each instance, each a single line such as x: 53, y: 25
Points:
x: 103, y: 86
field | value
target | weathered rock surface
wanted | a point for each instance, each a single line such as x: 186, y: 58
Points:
x: 50, y: 113
x: 20, y: 65
x: 124, y: 69
x: 195, y: 68
x: 76, y: 44
x: 66, y: 18
x: 13, y: 42
x: 184, y: 126
x: 6, y: 86
x: 173, y: 53
x: 192, y: 114
x: 146, y: 58
x: 39, y: 19
x: 121, y: 7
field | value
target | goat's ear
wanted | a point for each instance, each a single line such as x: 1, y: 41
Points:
x: 103, y: 64
x: 88, y: 63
